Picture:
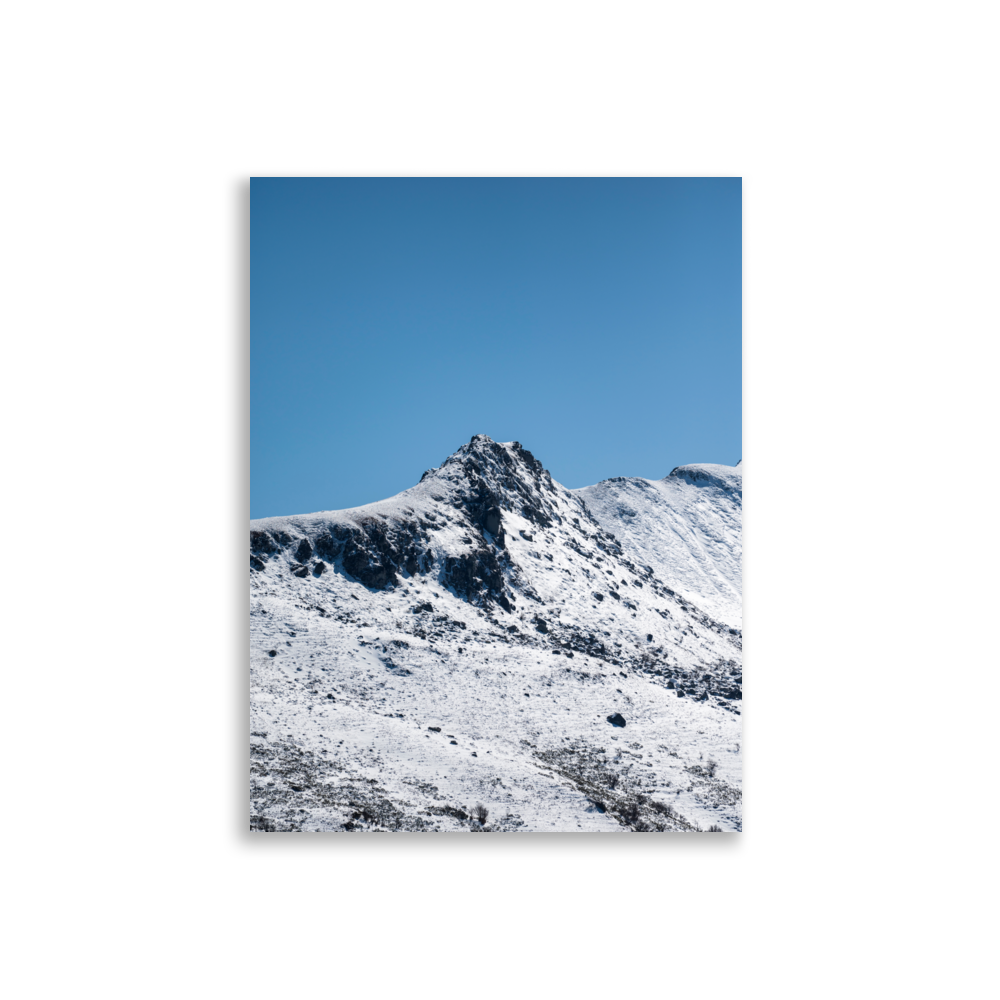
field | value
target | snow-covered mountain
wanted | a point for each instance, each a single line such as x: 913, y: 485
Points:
x: 686, y: 527
x: 569, y: 659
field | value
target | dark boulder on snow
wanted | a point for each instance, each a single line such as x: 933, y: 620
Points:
x: 300, y: 571
x: 320, y: 568
x: 256, y: 563
x: 617, y: 720
x: 541, y: 625
x: 304, y: 552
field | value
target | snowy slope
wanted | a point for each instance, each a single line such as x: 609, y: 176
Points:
x: 687, y: 527
x: 467, y: 642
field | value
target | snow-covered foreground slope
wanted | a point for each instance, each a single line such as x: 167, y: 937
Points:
x: 475, y: 640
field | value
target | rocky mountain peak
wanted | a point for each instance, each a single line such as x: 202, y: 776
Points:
x: 486, y: 474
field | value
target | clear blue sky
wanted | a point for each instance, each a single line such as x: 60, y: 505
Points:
x: 597, y: 321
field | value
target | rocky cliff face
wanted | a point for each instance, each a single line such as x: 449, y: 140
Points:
x: 470, y: 494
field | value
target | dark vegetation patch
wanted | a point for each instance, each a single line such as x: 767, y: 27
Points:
x: 614, y: 792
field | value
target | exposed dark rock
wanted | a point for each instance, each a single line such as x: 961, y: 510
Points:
x: 256, y: 563
x: 320, y: 568
x: 304, y: 552
x: 261, y: 541
x: 617, y: 720
x: 272, y: 652
x: 491, y: 520
x: 300, y: 571
x: 533, y: 514
x: 434, y: 729
x: 541, y: 625
x: 368, y: 555
x: 597, y: 596
x: 328, y: 547
x: 410, y: 562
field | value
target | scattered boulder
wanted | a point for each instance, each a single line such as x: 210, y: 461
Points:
x: 320, y: 568
x: 256, y: 563
x: 300, y: 571
x: 434, y: 729
x: 617, y: 720
x: 649, y: 637
x: 272, y: 652
x: 304, y: 552
x: 541, y: 625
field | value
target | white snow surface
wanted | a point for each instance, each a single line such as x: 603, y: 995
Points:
x: 408, y: 663
x: 687, y: 526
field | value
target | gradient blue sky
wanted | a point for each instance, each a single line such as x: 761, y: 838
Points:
x: 597, y: 321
